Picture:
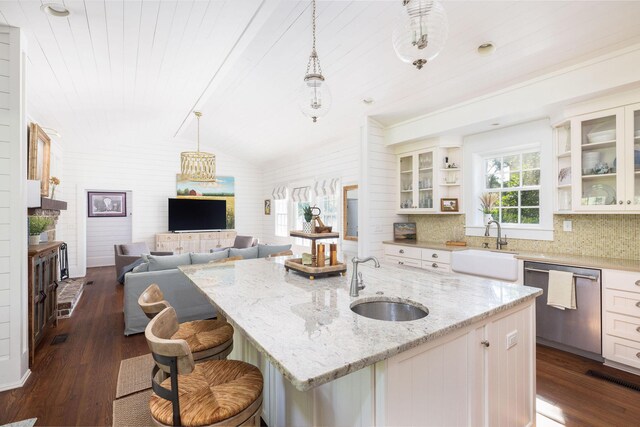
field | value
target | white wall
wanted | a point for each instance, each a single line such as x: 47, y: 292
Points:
x: 338, y: 159
x: 150, y: 175
x: 104, y: 232
x: 14, y: 368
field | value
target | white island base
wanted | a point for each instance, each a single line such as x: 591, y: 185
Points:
x: 481, y: 375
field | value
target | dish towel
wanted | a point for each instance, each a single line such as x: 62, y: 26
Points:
x: 562, y: 290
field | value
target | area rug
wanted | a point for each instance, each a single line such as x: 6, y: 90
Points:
x: 132, y: 410
x: 134, y: 375
x: 24, y: 423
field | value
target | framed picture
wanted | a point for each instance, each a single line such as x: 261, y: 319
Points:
x: 404, y: 231
x: 107, y: 204
x: 38, y: 162
x: 449, y: 205
x: 267, y: 207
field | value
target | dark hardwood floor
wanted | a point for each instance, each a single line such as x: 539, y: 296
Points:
x: 74, y: 383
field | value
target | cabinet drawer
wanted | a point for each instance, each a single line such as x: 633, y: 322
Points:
x: 622, y: 351
x: 622, y: 302
x: 403, y: 251
x: 435, y: 266
x: 187, y: 237
x: 622, y: 326
x: 169, y: 237
x: 436, y: 256
x: 403, y: 261
x: 622, y: 280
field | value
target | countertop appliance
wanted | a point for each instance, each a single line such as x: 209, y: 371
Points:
x: 577, y: 331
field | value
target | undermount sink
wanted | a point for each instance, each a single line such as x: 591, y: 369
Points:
x: 391, y: 310
x: 495, y: 265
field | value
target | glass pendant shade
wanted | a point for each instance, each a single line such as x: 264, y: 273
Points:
x: 314, y: 98
x: 198, y: 165
x: 421, y: 33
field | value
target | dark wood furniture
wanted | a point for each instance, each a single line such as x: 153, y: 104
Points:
x: 43, y: 295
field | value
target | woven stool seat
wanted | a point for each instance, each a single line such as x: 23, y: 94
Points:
x: 214, y: 392
x: 202, y: 335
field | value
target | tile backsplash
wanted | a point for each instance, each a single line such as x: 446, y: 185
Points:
x: 608, y: 236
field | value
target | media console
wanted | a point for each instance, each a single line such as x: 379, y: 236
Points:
x: 180, y: 243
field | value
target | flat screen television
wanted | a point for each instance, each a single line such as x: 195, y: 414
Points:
x: 197, y: 215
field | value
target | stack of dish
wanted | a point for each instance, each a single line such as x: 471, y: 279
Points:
x: 589, y: 161
x: 601, y: 136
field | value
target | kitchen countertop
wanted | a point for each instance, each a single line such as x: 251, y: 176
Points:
x: 307, y: 330
x: 551, y: 258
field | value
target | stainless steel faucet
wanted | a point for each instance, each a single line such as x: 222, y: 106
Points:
x: 356, y: 278
x: 500, y: 242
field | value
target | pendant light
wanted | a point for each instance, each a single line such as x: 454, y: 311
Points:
x: 422, y: 33
x: 198, y: 165
x: 314, y: 97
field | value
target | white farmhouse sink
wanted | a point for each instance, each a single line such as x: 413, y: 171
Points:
x: 495, y: 265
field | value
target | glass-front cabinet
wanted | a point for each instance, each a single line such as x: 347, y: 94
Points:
x: 606, y: 160
x: 416, y: 181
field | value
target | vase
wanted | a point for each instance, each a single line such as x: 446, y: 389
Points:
x: 306, y: 227
x: 53, y: 192
x: 487, y: 218
x: 34, y: 239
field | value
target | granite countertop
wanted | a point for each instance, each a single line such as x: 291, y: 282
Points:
x: 307, y: 330
x: 548, y: 257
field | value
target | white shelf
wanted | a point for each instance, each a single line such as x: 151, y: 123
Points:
x: 604, y: 144
x: 564, y: 186
x: 564, y: 155
x: 426, y: 189
x: 450, y: 185
x: 425, y: 169
x: 598, y: 175
x: 406, y: 191
x: 451, y: 169
x: 409, y: 171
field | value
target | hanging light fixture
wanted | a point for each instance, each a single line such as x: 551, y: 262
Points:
x: 422, y: 33
x: 314, y: 98
x: 198, y: 165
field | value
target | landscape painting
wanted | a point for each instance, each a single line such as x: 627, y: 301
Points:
x: 220, y: 189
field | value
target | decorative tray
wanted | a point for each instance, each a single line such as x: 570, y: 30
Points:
x: 313, y: 272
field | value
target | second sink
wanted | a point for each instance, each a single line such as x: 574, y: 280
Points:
x: 390, y: 310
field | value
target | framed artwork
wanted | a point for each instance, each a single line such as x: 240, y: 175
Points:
x: 223, y: 188
x: 449, y: 205
x: 267, y: 207
x: 107, y: 204
x: 404, y: 231
x: 38, y: 163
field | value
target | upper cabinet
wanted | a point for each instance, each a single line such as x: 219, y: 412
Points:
x: 428, y: 175
x: 603, y: 161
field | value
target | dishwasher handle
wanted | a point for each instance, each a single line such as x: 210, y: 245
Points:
x: 581, y: 276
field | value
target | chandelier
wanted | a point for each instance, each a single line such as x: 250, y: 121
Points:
x: 198, y: 165
x: 314, y: 98
x: 422, y: 33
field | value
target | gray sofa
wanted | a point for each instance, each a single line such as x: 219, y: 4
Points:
x: 188, y: 301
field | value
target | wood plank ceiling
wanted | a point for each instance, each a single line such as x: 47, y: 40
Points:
x: 130, y: 71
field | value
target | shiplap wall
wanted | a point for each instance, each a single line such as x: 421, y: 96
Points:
x: 103, y: 233
x: 377, y: 192
x: 13, y: 207
x: 338, y: 159
x: 150, y: 175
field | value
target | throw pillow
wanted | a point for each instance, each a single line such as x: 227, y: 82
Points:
x: 135, y: 248
x: 168, y: 262
x: 242, y: 242
x: 247, y: 253
x: 141, y: 268
x: 266, y: 250
x: 218, y: 250
x: 197, y: 258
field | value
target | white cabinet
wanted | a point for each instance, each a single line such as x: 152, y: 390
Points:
x: 182, y: 243
x: 621, y: 318
x: 606, y: 176
x: 428, y: 259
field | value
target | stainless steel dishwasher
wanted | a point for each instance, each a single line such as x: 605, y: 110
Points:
x: 577, y: 331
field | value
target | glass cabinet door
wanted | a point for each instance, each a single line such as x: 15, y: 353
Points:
x: 632, y: 154
x: 597, y: 154
x: 406, y: 182
x: 425, y: 180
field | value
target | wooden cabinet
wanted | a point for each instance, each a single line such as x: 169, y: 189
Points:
x: 182, y: 243
x: 621, y: 319
x: 42, y: 295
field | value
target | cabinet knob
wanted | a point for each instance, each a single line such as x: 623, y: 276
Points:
x: 400, y: 262
x: 637, y: 282
x: 402, y: 251
x: 434, y: 265
x: 628, y: 202
x: 487, y: 344
x: 638, y: 355
x: 638, y: 304
x: 638, y: 329
x: 434, y: 255
x: 620, y: 202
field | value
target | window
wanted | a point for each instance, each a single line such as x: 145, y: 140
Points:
x: 329, y: 210
x: 281, y: 217
x: 515, y: 178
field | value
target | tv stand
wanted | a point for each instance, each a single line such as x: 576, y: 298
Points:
x: 182, y: 243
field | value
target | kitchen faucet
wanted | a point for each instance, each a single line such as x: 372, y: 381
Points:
x: 356, y: 278
x: 500, y: 242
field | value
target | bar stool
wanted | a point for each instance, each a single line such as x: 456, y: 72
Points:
x: 210, y: 393
x: 207, y: 339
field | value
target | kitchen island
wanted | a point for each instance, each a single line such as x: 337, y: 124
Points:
x: 471, y: 361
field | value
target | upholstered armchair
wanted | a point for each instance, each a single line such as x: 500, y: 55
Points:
x: 129, y: 253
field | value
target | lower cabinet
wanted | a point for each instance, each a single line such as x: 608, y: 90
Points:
x: 427, y: 259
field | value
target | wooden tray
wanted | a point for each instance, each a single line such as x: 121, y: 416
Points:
x: 313, y: 272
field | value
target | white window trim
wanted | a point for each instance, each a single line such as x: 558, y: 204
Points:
x: 530, y: 136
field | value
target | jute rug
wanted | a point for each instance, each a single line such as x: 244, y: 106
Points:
x: 134, y: 375
x: 24, y: 423
x: 132, y: 410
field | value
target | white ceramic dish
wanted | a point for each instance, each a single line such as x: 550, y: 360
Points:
x: 602, y: 136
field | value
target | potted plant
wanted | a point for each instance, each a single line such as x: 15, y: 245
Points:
x: 37, y: 225
x: 308, y: 216
x: 487, y: 200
